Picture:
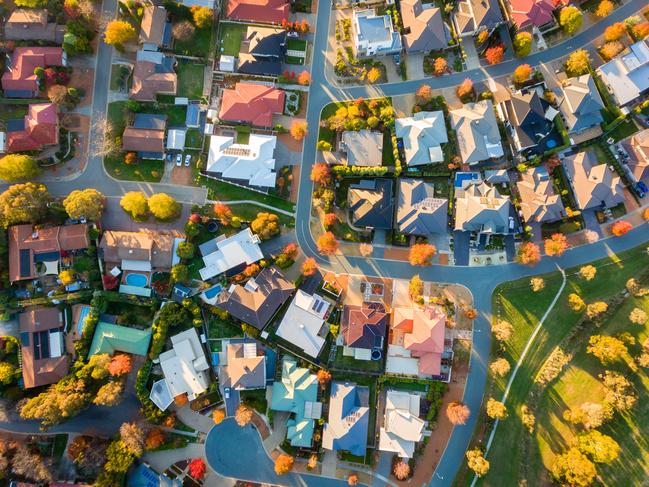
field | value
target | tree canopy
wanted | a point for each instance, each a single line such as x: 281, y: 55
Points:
x: 135, y: 203
x: 15, y: 167
x: 163, y: 207
x: 570, y: 19
x: 24, y: 203
x: 119, y: 32
x: 88, y: 203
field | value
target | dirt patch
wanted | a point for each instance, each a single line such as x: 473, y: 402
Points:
x: 396, y: 253
x: 261, y: 426
x: 290, y: 143
x: 182, y: 176
x: 82, y: 79
x: 304, y: 97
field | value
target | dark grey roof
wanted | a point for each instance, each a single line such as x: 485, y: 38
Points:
x: 419, y: 212
x: 267, y: 44
x: 149, y: 121
x: 527, y: 117
x: 581, y: 103
x: 371, y: 203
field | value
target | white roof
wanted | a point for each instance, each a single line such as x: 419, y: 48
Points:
x: 185, y: 365
x: 176, y: 139
x: 400, y: 361
x: 252, y: 162
x: 628, y: 75
x: 422, y: 135
x: 303, y: 321
x: 402, y: 427
x: 3, y: 141
x: 231, y: 252
x: 201, y: 3
x: 51, y: 267
x: 136, y: 265
x: 226, y: 63
x: 174, y: 254
x: 161, y: 395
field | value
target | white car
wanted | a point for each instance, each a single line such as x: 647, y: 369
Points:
x: 179, y: 160
x: 293, y: 34
x: 226, y: 392
x: 188, y: 159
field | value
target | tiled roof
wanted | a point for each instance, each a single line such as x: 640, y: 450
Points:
x: 265, y: 11
x: 252, y: 103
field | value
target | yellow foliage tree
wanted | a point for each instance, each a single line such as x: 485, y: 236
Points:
x: 119, y: 32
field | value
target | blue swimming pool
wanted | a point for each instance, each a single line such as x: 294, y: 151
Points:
x: 138, y: 280
x: 462, y: 177
x: 213, y: 291
x: 551, y: 144
x: 82, y: 318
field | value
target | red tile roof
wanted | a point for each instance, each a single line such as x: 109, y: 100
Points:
x: 252, y: 103
x: 268, y: 11
x: 41, y: 128
x: 531, y: 12
x: 24, y: 61
x: 364, y: 326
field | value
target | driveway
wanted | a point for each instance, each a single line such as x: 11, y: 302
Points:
x: 461, y: 247
x: 415, y: 65
x: 590, y: 221
x: 232, y: 403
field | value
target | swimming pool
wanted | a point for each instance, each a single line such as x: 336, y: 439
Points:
x: 462, y: 177
x: 213, y: 291
x: 551, y: 144
x: 82, y: 318
x: 138, y: 280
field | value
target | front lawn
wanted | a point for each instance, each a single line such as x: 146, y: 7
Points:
x: 220, y: 190
x: 296, y: 45
x: 190, y: 79
x: 230, y: 37
x: 193, y: 139
x: 145, y: 170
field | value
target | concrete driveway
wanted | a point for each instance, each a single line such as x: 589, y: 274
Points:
x: 415, y: 65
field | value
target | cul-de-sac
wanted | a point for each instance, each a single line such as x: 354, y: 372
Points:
x: 324, y: 243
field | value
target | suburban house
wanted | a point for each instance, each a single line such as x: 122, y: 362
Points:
x: 474, y: 16
x: 374, y: 35
x: 155, y: 29
x: 304, y: 323
x: 637, y: 147
x: 477, y: 132
x: 27, y: 24
x: 264, y: 11
x: 42, y: 346
x: 417, y: 341
x: 580, y: 103
x: 594, y: 185
x: 242, y: 365
x: 185, y: 369
x: 363, y: 328
x: 529, y: 120
x: 627, y: 75
x: 371, y: 204
x: 153, y: 75
x: 111, y: 338
x: 348, y: 421
x: 262, y: 51
x: 251, y: 103
x: 30, y: 248
x: 539, y: 202
x: 256, y: 302
x: 19, y: 80
x: 527, y: 14
x: 422, y: 135
x: 362, y: 147
x: 229, y: 254
x: 419, y: 212
x: 402, y: 428
x: 482, y: 209
x: 424, y: 27
x: 199, y: 3
x: 40, y: 128
x: 297, y: 393
x: 146, y: 136
x: 251, y: 164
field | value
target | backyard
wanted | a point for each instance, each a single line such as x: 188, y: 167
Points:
x: 199, y: 44
x: 351, y: 364
x: 190, y: 79
x: 230, y: 37
x: 296, y: 45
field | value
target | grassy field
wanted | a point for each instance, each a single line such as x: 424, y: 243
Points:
x: 516, y: 303
x: 190, y: 79
x: 625, y: 129
x: 230, y: 38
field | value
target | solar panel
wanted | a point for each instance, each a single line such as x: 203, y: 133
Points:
x: 24, y: 338
x: 25, y: 263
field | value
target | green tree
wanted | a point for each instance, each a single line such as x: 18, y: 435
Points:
x: 88, y: 203
x: 600, y: 447
x: 14, y: 167
x: 573, y: 468
x: 136, y: 205
x: 109, y: 394
x: 118, y: 457
x: 24, y: 203
x: 185, y: 250
x: 523, y: 44
x: 570, y: 19
x: 163, y: 207
x: 180, y: 273
x: 266, y: 225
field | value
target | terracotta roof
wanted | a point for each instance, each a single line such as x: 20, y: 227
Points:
x: 143, y: 140
x: 41, y: 128
x: 267, y: 11
x: 638, y: 149
x: 23, y: 62
x: 539, y: 202
x: 252, y: 103
x: 152, y: 26
x: 30, y: 24
x: 531, y: 12
x: 364, y: 326
x: 154, y: 247
x: 244, y: 372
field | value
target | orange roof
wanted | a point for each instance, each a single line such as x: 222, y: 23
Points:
x: 41, y: 128
x: 266, y: 11
x: 24, y: 61
x: 253, y: 103
x: 425, y: 339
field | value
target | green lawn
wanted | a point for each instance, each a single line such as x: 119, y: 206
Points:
x: 343, y: 362
x: 625, y: 129
x: 295, y: 45
x: 10, y: 112
x: 388, y: 150
x: 230, y: 37
x: 190, y: 79
x: 194, y: 138
x: 145, y: 170
x: 199, y: 45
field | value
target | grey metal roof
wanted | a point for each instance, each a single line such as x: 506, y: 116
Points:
x: 419, y: 212
x: 581, y: 103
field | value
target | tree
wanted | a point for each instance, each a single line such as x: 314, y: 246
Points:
x: 578, y: 63
x: 202, y: 16
x: 185, y: 250
x: 309, y: 267
x: 502, y: 330
x: 327, y: 244
x: 614, y: 32
x: 180, y: 273
x: 528, y: 254
x: 14, y: 167
x: 482, y: 37
x: 599, y: 447
x: 67, y: 277
x: 321, y: 174
x: 465, y: 91
x: 135, y: 203
x: 611, y: 49
x: 556, y: 245
x: 638, y: 316
x: 458, y: 412
x: 421, y: 254
x: 223, y: 213
x: 197, y: 467
x: 24, y: 203
x: 640, y: 30
x: 324, y: 376
x: 329, y: 220
x: 500, y: 367
x: 266, y: 225
x: 304, y: 78
x: 607, y: 349
x: 496, y: 409
x: 604, y: 8
x: 528, y: 419
x: 593, y: 310
x: 119, y: 32
x: 109, y: 394
x: 415, y: 287
x: 619, y: 391
x: 154, y: 439
x: 440, y: 66
x: 163, y: 207
x: 401, y: 470
x: 88, y: 203
x: 523, y: 43
x: 590, y: 415
x: 522, y: 73
x: 365, y: 249
x: 119, y: 365
x: 477, y: 462
x: 133, y: 438
x: 77, y: 447
x: 471, y: 313
x: 537, y: 284
x: 373, y: 75
x: 7, y: 373
x: 570, y: 19
x: 621, y: 227
x: 575, y: 302
x: 573, y: 468
x: 284, y: 464
x: 496, y: 54
x: 57, y: 94
x: 118, y: 458
x: 352, y: 479
x: 243, y: 415
x: 298, y: 130
x: 30, y: 465
x: 183, y: 30
x: 587, y: 272
x: 424, y: 93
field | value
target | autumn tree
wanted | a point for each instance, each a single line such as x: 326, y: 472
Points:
x: 7, y: 373
x: 593, y: 310
x: 223, y: 213
x: 202, y: 16
x: 352, y: 479
x: 323, y: 376
x: 88, y: 203
x: 266, y: 225
x: 440, y: 66
x: 500, y: 367
x: 154, y: 439
x: 109, y: 394
x: 30, y: 465
x: 611, y: 49
x: 304, y: 78
x: 373, y: 75
x: 321, y: 174
x: 424, y: 93
x: 590, y: 415
x: 415, y: 287
x: 528, y: 419
x: 14, y: 167
x: 218, y: 416
x: 298, y: 130
x: 556, y: 245
x: 164, y: 207
x: 573, y: 468
x: 607, y: 349
x: 638, y: 316
x: 401, y: 470
x: 67, y: 276
x: 578, y: 63
x: 180, y: 273
x: 119, y: 32
x: 640, y: 30
x: 477, y: 462
x: 614, y: 32
x: 496, y: 409
x: 185, y: 250
x: 523, y: 43
x: 284, y: 464
x: 465, y: 90
x: 619, y: 391
x: 575, y: 302
x: 621, y: 227
x: 537, y: 284
x: 119, y: 365
x: 243, y: 415
x: 587, y: 272
x: 312, y: 463
x: 197, y: 468
x: 599, y: 447
x: 57, y: 94
x: 458, y: 412
x: 183, y: 30
x: 24, y: 203
x: 421, y: 254
x: 309, y: 267
x: 522, y: 73
x: 133, y: 438
x: 528, y: 254
x: 604, y: 8
x: 570, y: 19
x: 327, y: 244
x: 136, y: 204
x: 502, y: 330
x: 365, y: 249
x: 495, y: 54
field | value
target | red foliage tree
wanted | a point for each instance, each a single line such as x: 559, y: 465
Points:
x: 329, y: 220
x: 327, y: 244
x: 110, y: 281
x: 556, y: 245
x: 120, y: 364
x: 290, y: 250
x: 223, y: 213
x: 421, y: 254
x: 528, y: 254
x: 321, y: 174
x: 496, y: 54
x: 552, y: 163
x: 620, y: 228
x: 195, y: 218
x: 197, y: 468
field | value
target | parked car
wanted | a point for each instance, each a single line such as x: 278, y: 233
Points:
x: 226, y: 392
x: 293, y: 34
x: 640, y: 189
x: 179, y: 160
x: 188, y: 159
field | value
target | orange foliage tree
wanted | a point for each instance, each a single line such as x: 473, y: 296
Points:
x: 329, y: 220
x: 421, y: 254
x: 496, y: 54
x: 218, y: 416
x: 352, y: 479
x: 440, y: 66
x: 614, y: 31
x: 223, y: 213
x: 611, y: 49
x: 327, y: 244
x: 640, y: 30
x: 323, y: 376
x: 309, y: 267
x: 522, y: 73
x: 120, y: 364
x: 304, y: 78
x: 154, y: 439
x: 321, y: 174
x: 298, y: 130
x: 620, y: 228
x: 556, y: 245
x: 604, y: 8
x: 284, y: 464
x: 528, y: 254
x: 465, y: 89
x: 458, y: 412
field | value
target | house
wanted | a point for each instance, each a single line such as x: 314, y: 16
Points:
x: 402, y: 428
x: 40, y: 128
x: 258, y: 300
x: 532, y: 13
x: 539, y: 202
x: 370, y: 202
x: 580, y: 103
x: 146, y: 136
x: 29, y: 247
x: 42, y: 348
x: 637, y: 147
x: 529, y: 120
x: 297, y: 393
x: 262, y: 51
x: 363, y: 147
x: 19, y: 80
x: 477, y: 132
x: 474, y: 16
x: 27, y: 24
x: 242, y: 365
x: 374, y: 35
x: 594, y: 185
x: 251, y: 164
x: 222, y: 254
x: 304, y: 323
x: 251, y: 103
x: 627, y: 75
x: 424, y: 27
x: 145, y: 251
x: 110, y: 338
x: 422, y: 135
x: 348, y: 421
x: 176, y: 139
x: 199, y: 3
x: 155, y: 29
x: 419, y: 212
x: 481, y: 208
x: 185, y: 369
x: 263, y: 11
x: 153, y: 75
x: 363, y: 328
